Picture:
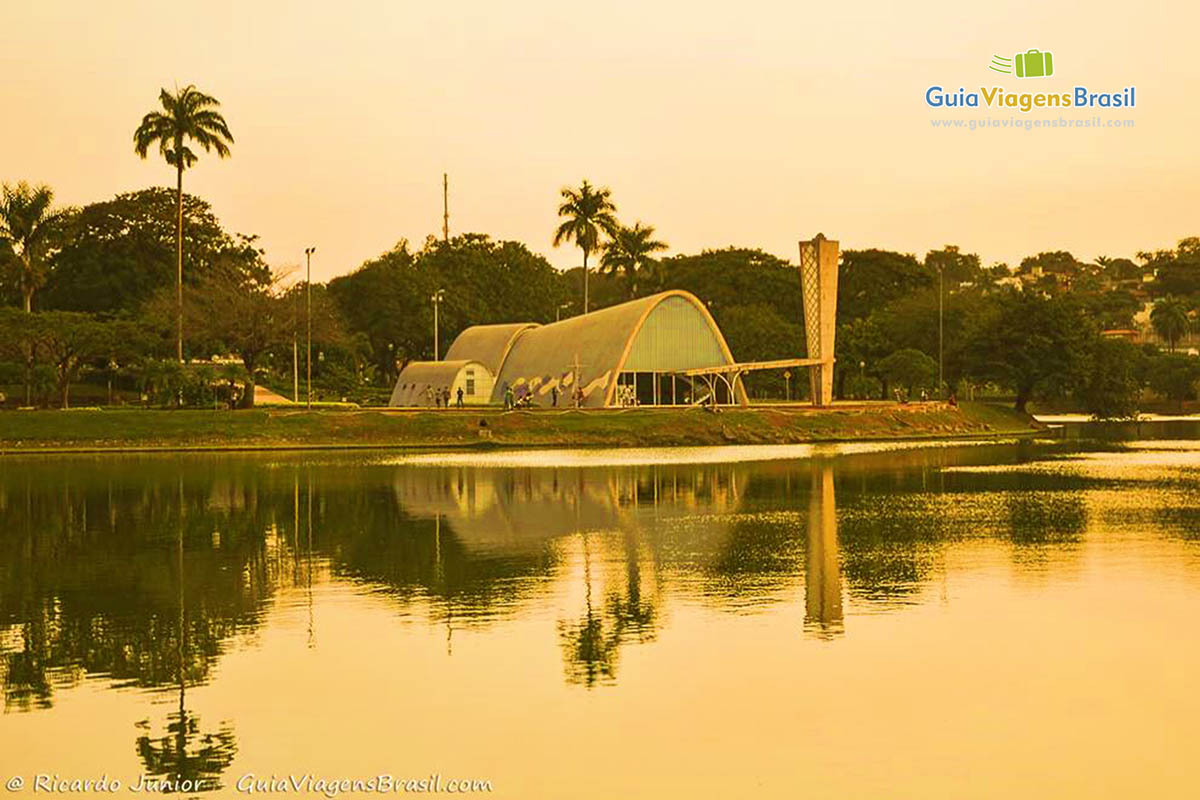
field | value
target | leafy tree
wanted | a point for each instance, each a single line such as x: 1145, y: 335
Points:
x: 1057, y: 262
x: 1173, y: 376
x: 1176, y: 271
x: 331, y: 340
x: 385, y: 300
x: 1029, y: 343
x: 912, y: 322
x: 588, y: 215
x: 254, y: 318
x: 27, y: 224
x: 1112, y: 384
x: 757, y: 333
x: 1118, y: 269
x: 1169, y: 317
x: 485, y: 281
x: 732, y: 277
x: 910, y: 368
x: 246, y: 318
x: 187, y: 116
x: 68, y: 341
x: 631, y: 252
x: 860, y: 346
x: 870, y: 279
x: 955, y: 266
x: 995, y: 273
x: 116, y: 254
x: 1110, y: 308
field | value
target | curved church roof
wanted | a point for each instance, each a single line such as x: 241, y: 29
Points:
x: 667, y: 332
x: 487, y: 344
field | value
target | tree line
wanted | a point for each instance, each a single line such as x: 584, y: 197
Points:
x: 104, y: 302
x: 134, y: 290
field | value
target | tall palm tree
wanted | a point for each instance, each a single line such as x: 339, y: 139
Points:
x: 1169, y: 317
x: 187, y: 116
x: 26, y: 222
x: 589, y: 214
x: 630, y: 251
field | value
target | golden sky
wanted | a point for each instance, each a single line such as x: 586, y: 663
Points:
x: 748, y: 123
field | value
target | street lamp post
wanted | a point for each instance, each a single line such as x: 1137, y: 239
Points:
x: 941, y: 381
x: 437, y: 298
x: 308, y: 251
x: 296, y: 348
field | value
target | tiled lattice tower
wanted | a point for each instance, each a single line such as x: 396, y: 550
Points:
x: 819, y: 284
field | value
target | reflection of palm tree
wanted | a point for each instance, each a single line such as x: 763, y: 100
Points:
x: 590, y: 651
x: 591, y: 646
x: 185, y: 755
x: 634, y: 616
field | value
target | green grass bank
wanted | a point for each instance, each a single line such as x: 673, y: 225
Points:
x: 126, y: 430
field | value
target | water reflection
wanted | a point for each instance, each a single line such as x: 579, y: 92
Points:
x: 140, y: 571
x: 185, y: 755
x: 823, y: 575
x: 189, y: 606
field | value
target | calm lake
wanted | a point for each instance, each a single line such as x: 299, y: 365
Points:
x: 1013, y: 619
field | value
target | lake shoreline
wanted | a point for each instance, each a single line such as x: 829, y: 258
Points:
x: 266, y: 430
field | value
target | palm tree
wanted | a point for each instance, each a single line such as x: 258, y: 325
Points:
x: 1169, y: 317
x: 589, y: 215
x: 187, y: 116
x: 630, y: 251
x: 25, y: 225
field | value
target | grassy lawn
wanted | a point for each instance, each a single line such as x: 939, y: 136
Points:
x: 264, y: 428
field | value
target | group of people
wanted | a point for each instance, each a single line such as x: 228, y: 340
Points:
x: 522, y: 397
x: 440, y: 397
x: 518, y: 397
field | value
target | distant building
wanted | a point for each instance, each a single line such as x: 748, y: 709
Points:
x: 661, y: 350
x: 664, y: 349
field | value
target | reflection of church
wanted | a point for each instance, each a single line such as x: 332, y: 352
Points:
x: 521, y: 508
x: 513, y: 511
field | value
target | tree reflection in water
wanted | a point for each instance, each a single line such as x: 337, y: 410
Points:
x: 185, y: 755
x: 91, y: 569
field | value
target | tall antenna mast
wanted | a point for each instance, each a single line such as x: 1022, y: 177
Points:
x: 445, y: 207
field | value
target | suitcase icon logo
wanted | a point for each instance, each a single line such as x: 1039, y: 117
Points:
x: 1030, y: 64
x: 1034, y: 64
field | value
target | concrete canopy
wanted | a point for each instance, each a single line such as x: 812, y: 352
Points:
x: 665, y: 333
x: 487, y: 344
